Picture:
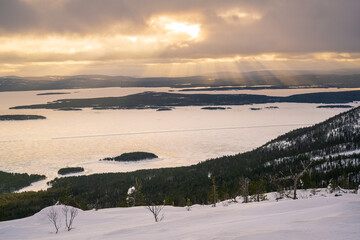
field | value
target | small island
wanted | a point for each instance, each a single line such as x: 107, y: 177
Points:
x: 164, y: 109
x: 131, y: 157
x: 334, y: 106
x: 213, y: 108
x: 69, y: 109
x: 20, y: 117
x: 68, y: 170
x: 52, y: 93
x: 272, y: 107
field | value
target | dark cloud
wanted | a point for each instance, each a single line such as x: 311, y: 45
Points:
x: 17, y: 16
x: 285, y: 25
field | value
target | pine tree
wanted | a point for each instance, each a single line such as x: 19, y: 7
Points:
x: 188, y: 204
x: 213, y: 196
x: 257, y: 189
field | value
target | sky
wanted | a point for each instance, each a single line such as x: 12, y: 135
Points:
x: 176, y: 38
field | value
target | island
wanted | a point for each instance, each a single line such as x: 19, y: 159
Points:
x: 19, y: 117
x: 272, y: 107
x: 131, y: 157
x: 213, y: 108
x: 52, y: 93
x: 68, y: 170
x: 69, y: 109
x: 156, y: 100
x: 164, y: 109
x: 334, y: 106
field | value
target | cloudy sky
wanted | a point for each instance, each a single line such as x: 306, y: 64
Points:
x: 176, y: 38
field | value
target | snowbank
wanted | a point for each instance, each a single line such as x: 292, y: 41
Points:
x: 319, y: 216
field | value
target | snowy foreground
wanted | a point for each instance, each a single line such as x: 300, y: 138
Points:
x: 322, y: 216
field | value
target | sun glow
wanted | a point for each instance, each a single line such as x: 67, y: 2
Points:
x: 180, y: 30
x: 178, y: 27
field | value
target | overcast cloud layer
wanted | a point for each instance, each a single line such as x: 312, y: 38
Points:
x: 138, y: 32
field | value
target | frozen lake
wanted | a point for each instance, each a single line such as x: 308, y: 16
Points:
x: 183, y: 136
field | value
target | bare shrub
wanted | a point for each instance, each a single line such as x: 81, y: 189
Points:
x: 295, y: 177
x: 70, y: 213
x: 156, y: 210
x: 244, y: 191
x: 53, y: 217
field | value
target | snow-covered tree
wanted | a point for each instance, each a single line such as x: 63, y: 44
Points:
x: 130, y: 199
x: 134, y: 194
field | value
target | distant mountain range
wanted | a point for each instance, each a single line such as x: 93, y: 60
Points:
x: 278, y: 79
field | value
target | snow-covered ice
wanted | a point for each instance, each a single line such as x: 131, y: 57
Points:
x: 184, y: 136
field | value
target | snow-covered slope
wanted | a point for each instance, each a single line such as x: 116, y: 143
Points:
x: 335, y: 132
x: 322, y: 216
x: 334, y: 145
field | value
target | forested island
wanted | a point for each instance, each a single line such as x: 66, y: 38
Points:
x: 272, y: 107
x: 213, y: 108
x: 164, y: 109
x: 131, y: 157
x: 52, y: 93
x: 19, y: 117
x: 334, y: 106
x: 68, y: 170
x: 69, y: 109
x: 156, y: 100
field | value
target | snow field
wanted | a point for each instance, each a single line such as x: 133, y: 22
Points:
x: 322, y: 216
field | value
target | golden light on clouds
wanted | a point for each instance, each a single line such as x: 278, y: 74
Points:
x: 179, y: 28
x: 239, y: 16
x: 158, y: 37
x: 173, y: 32
x: 27, y: 44
x: 163, y: 32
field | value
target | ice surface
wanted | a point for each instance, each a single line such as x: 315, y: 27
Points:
x: 183, y: 136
